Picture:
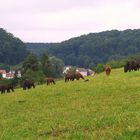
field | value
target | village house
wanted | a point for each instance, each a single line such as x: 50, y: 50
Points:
x: 85, y: 72
x: 10, y: 74
x: 91, y: 72
x: 18, y: 73
x: 82, y: 71
x: 3, y: 73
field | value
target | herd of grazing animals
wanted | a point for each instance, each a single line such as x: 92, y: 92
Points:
x: 132, y: 65
x: 70, y: 76
x: 28, y: 84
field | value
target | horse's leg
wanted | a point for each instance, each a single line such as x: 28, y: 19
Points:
x: 53, y: 82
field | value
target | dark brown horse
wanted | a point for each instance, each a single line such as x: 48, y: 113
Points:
x: 78, y: 75
x: 27, y: 84
x: 71, y: 76
x: 6, y: 87
x: 132, y: 65
x: 50, y: 80
x: 108, y: 70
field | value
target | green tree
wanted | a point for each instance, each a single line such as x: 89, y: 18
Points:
x: 0, y: 76
x: 12, y: 49
x: 57, y: 66
x: 31, y: 62
x: 5, y: 66
x: 36, y: 76
x: 32, y: 69
x: 46, y: 65
x: 99, y: 68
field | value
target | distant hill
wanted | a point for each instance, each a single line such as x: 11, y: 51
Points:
x: 12, y: 49
x: 38, y: 48
x: 88, y: 50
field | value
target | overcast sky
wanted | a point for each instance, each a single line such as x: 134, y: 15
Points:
x: 59, y: 20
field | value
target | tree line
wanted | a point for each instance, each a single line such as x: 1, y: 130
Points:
x: 37, y: 69
x: 89, y: 50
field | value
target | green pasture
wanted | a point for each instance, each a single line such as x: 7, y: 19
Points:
x: 103, y: 108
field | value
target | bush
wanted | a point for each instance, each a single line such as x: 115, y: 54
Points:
x: 116, y: 64
x: 99, y: 68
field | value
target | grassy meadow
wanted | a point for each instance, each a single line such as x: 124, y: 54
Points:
x: 104, y: 108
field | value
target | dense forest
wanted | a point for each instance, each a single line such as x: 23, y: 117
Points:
x: 38, y: 48
x: 84, y: 51
x: 89, y: 50
x: 12, y: 49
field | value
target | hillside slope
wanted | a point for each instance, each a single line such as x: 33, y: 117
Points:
x: 105, y: 107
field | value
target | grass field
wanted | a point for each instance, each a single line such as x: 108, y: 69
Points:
x: 104, y: 108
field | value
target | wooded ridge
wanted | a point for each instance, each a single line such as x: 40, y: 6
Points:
x: 89, y: 50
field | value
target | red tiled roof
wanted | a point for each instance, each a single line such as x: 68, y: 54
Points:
x: 9, y: 75
x: 3, y: 71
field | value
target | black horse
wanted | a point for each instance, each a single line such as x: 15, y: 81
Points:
x: 132, y: 65
x: 27, y: 84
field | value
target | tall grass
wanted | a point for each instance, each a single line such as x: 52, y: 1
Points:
x: 104, y: 108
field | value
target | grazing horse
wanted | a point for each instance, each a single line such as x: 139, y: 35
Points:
x: 28, y: 84
x: 127, y: 67
x: 78, y: 75
x: 71, y: 76
x: 108, y: 70
x: 132, y: 65
x: 50, y: 80
x: 6, y: 87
